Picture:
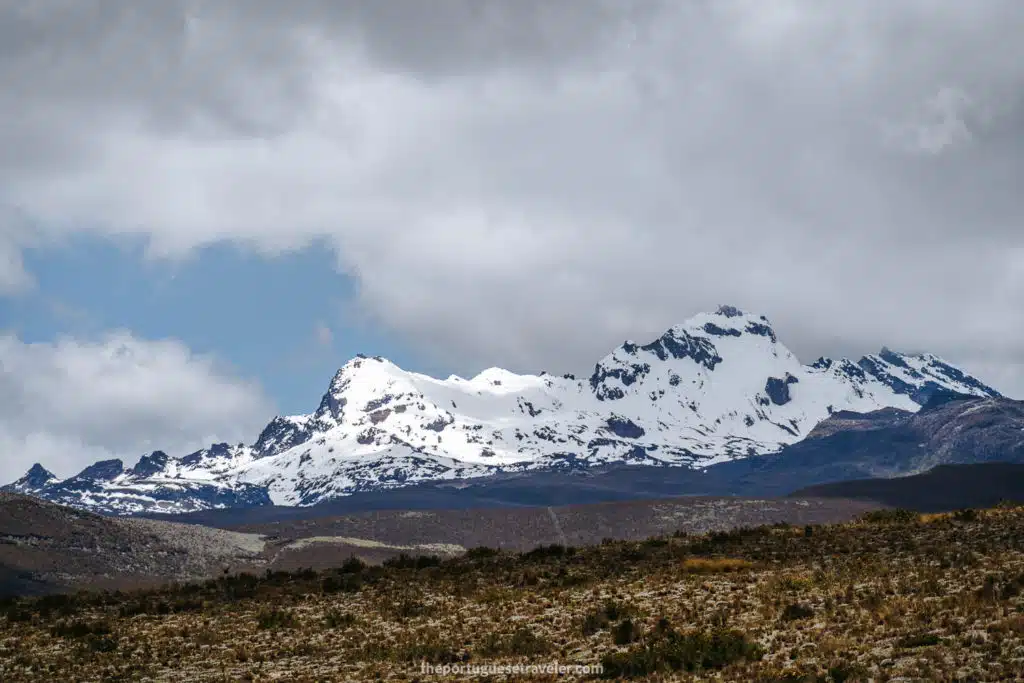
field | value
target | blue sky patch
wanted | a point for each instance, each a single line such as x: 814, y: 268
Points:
x: 283, y: 320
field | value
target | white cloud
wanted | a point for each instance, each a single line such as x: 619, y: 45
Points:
x: 69, y: 403
x: 530, y: 192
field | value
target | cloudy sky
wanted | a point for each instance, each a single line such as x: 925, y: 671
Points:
x: 207, y: 206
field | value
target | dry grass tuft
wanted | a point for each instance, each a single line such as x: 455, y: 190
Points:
x: 702, y: 565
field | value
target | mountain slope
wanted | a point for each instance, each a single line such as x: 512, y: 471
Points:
x: 982, y: 438
x: 943, y: 488
x: 949, y: 430
x: 716, y: 388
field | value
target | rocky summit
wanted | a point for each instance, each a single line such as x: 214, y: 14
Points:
x: 719, y: 387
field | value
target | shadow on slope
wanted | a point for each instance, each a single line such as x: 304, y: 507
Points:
x: 942, y: 489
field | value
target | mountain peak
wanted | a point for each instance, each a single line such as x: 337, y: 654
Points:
x: 104, y: 470
x: 727, y: 321
x: 729, y: 311
x: 38, y: 470
x: 36, y: 478
x: 149, y: 465
x: 920, y: 375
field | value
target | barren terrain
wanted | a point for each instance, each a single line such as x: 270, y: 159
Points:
x: 893, y: 596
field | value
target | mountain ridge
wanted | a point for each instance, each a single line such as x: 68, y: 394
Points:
x: 718, y: 387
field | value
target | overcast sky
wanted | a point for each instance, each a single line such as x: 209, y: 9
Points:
x: 516, y: 183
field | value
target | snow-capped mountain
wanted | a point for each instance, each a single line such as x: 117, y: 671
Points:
x: 718, y: 387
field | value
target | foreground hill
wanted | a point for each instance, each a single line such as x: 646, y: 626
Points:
x: 893, y: 597
x: 46, y: 547
x: 716, y: 388
x: 328, y: 541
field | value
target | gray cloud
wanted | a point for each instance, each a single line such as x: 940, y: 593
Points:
x: 523, y: 185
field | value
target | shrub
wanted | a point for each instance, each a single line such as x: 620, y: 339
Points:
x: 274, y: 618
x: 890, y: 516
x: 526, y: 642
x: 17, y: 616
x: 80, y: 629
x: 693, y: 652
x: 593, y: 622
x: 336, y: 619
x: 625, y: 632
x: 543, y: 552
x: 481, y: 552
x: 1013, y: 587
x: 405, y: 561
x: 603, y: 616
x: 352, y: 565
x: 426, y: 648
x: 240, y: 586
x: 345, y: 583
x: 989, y: 589
x: 522, y: 642
x: 918, y: 640
x: 966, y: 515
x: 98, y: 643
x: 63, y: 604
x: 187, y: 605
x: 841, y: 672
x: 408, y: 608
x: 796, y: 611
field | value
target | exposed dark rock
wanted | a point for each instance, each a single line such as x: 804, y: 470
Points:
x: 333, y: 406
x: 439, y: 424
x: 714, y: 329
x: 149, y: 465
x: 104, y: 470
x: 534, y: 412
x: 280, y: 435
x: 627, y: 376
x: 777, y: 390
x: 762, y: 330
x: 36, y: 477
x: 624, y: 427
x: 683, y: 345
x: 378, y: 403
